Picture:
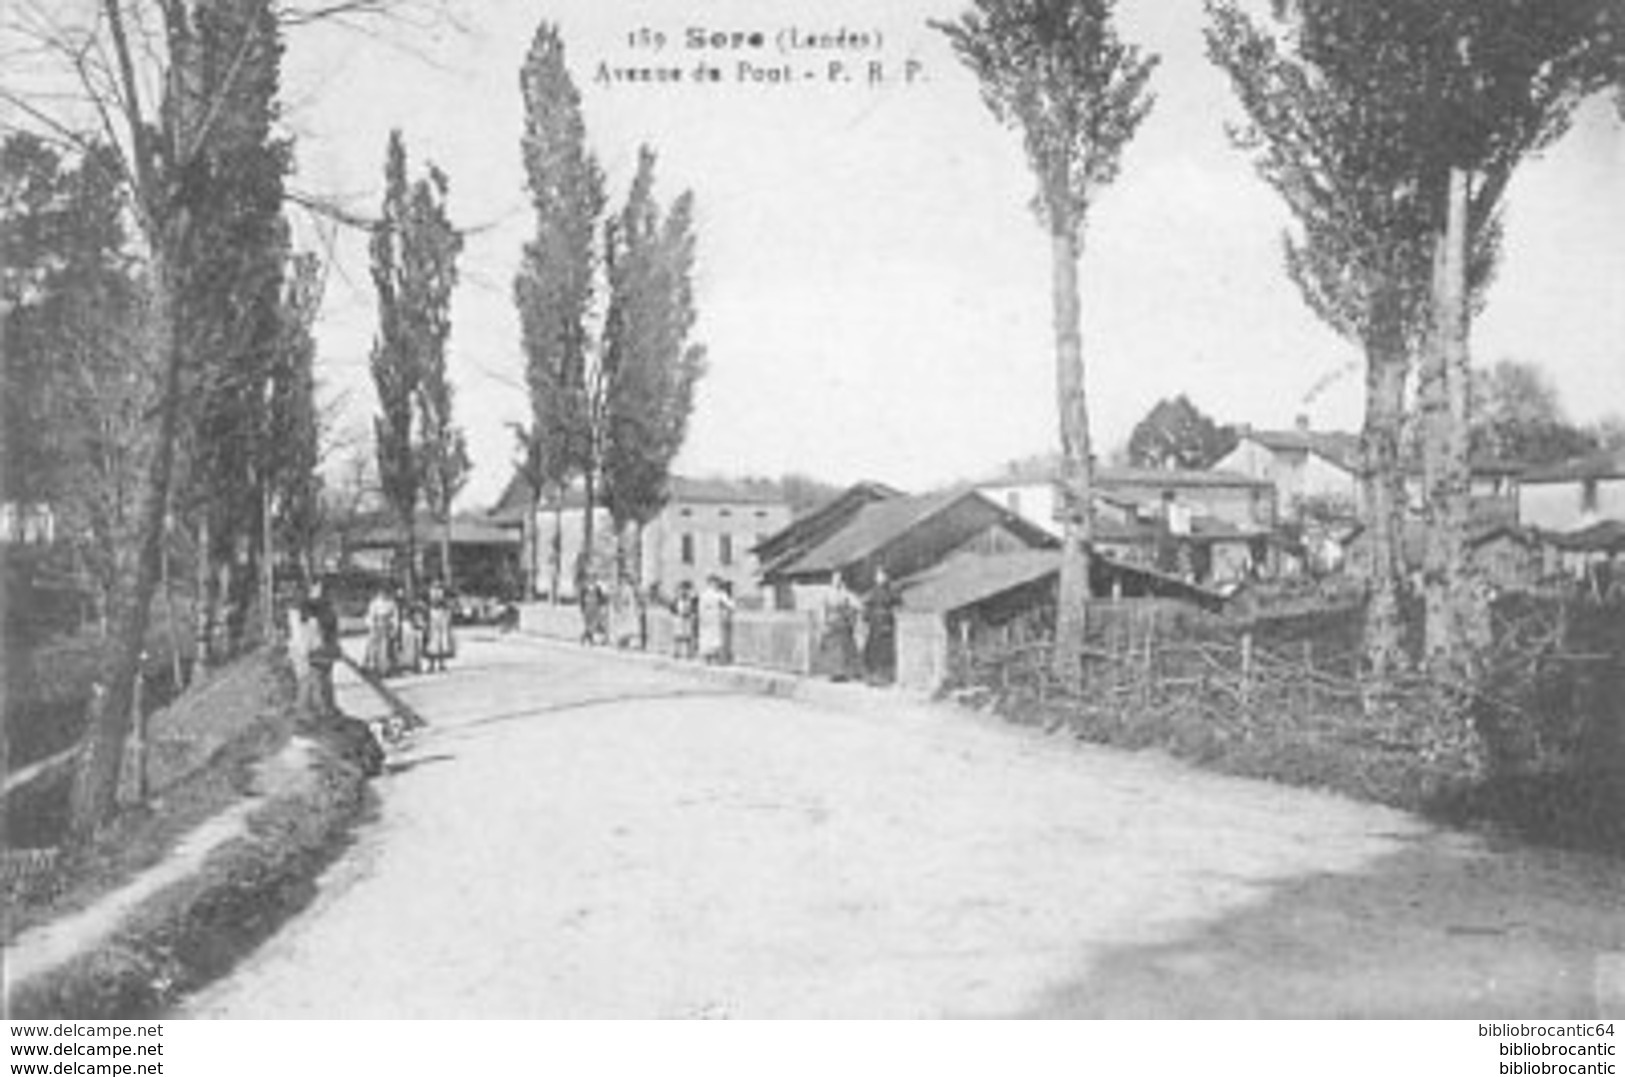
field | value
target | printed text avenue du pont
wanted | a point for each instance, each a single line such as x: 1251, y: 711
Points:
x: 758, y: 57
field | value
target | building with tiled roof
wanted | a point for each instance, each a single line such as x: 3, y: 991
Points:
x: 1032, y: 489
x: 1303, y: 465
x: 708, y: 527
x: 907, y: 535
x: 1574, y: 494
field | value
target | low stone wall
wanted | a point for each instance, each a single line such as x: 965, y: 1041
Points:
x: 922, y: 651
x: 762, y: 639
x: 554, y: 622
x: 775, y: 640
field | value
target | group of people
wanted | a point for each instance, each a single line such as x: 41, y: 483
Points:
x: 702, y: 619
x: 841, y: 655
x: 406, y: 636
x: 612, y: 618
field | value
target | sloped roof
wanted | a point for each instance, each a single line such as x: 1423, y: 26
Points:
x: 1173, y: 478
x: 465, y: 531
x: 514, y: 502
x: 812, y: 527
x: 878, y: 525
x: 1336, y: 446
x: 970, y: 578
x: 1604, y: 536
x: 680, y: 489
x: 1414, y: 536
x: 1030, y: 472
x: 1601, y: 465
x: 721, y: 491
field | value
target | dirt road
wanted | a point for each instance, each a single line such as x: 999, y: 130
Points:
x: 585, y: 836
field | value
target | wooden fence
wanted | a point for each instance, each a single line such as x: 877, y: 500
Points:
x: 1547, y: 702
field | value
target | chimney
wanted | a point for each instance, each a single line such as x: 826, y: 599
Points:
x: 1303, y: 423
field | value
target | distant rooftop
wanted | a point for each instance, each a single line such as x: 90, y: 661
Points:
x: 1337, y: 446
x: 1601, y: 465
x: 681, y: 489
x: 1031, y: 471
x: 466, y: 530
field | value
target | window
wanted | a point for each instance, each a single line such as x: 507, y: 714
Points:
x: 688, y: 549
x: 725, y: 549
x: 725, y: 513
x: 761, y: 514
x: 1588, y: 496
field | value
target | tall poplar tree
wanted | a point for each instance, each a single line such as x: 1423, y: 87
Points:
x: 1330, y: 99
x: 1502, y: 81
x: 397, y: 368
x: 443, y: 451
x: 554, y: 288
x: 414, y: 248
x: 293, y: 425
x: 1056, y: 71
x: 237, y: 249
x: 651, y: 367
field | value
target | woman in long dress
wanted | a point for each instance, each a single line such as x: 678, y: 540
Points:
x: 838, y: 648
x: 715, y: 606
x: 440, y: 645
x: 381, y: 615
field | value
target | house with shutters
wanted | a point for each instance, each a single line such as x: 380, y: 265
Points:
x: 708, y: 527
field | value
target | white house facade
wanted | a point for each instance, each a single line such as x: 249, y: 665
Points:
x: 1573, y: 495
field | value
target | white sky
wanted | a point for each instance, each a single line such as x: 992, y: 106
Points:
x: 873, y: 290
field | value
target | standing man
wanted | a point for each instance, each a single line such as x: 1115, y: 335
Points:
x: 322, y: 638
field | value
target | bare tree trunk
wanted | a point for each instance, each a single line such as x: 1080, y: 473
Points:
x: 94, y: 797
x: 172, y: 622
x: 203, y: 600
x: 1456, y: 621
x: 533, y: 529
x: 409, y: 522
x: 637, y: 555
x: 1384, y: 509
x: 558, y: 544
x: 267, y: 566
x: 1077, y: 465
x: 583, y: 568
x: 445, y: 551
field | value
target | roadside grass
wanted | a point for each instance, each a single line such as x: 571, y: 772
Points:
x: 48, y: 687
x: 200, y: 748
x: 218, y: 745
